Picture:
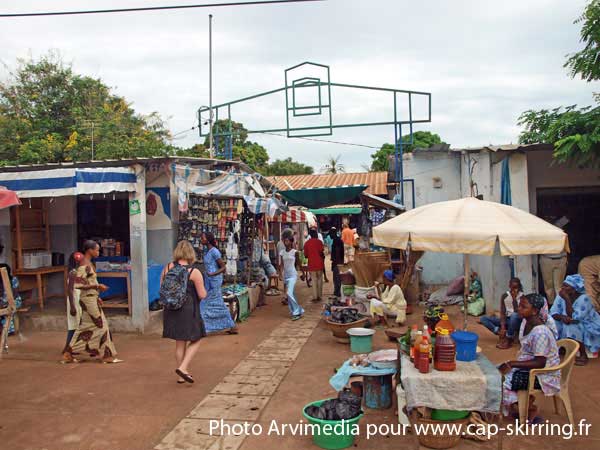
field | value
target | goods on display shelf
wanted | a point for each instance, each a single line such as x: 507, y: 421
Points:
x: 232, y: 225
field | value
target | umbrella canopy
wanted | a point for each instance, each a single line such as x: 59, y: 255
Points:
x: 471, y: 226
x: 8, y: 198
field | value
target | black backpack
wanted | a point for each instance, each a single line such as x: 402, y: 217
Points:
x: 173, y: 290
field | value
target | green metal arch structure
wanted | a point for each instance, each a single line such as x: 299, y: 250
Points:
x: 295, y: 110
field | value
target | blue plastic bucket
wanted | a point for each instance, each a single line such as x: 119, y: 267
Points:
x: 466, y: 345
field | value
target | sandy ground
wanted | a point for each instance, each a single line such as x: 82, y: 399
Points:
x: 46, y: 405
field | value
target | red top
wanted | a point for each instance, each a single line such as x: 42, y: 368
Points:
x: 313, y: 250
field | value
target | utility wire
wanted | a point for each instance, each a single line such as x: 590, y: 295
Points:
x: 153, y: 8
x: 321, y: 140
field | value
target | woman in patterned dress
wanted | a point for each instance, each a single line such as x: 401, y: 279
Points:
x: 92, y: 335
x: 576, y: 318
x: 215, y: 313
x: 538, y: 350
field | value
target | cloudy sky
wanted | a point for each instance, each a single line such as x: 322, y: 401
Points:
x: 483, y: 61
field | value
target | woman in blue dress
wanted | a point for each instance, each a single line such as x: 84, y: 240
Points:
x: 215, y: 313
x: 576, y: 317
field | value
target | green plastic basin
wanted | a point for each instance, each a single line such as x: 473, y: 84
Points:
x: 329, y: 436
x: 447, y: 414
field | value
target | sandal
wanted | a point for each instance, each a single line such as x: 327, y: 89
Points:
x: 186, y: 376
x: 112, y: 361
x: 233, y: 331
x: 68, y: 359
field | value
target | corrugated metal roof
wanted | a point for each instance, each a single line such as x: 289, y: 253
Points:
x: 505, y: 148
x: 124, y: 162
x: 376, y: 181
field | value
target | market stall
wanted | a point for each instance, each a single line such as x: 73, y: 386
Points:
x: 471, y: 226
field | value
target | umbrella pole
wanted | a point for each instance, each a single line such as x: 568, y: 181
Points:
x: 467, y: 264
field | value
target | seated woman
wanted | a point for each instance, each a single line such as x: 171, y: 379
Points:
x: 507, y: 325
x: 576, y: 317
x: 4, y: 301
x: 538, y: 350
x: 392, y: 301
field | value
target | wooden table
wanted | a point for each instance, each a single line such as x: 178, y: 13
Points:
x: 39, y: 274
x: 120, y: 274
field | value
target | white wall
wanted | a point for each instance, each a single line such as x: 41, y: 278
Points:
x: 424, y: 167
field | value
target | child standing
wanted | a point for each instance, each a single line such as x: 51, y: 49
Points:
x: 73, y: 306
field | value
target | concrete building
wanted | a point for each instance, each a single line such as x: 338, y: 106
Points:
x: 537, y: 185
x: 134, y: 200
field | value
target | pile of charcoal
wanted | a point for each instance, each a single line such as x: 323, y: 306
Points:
x: 345, y: 315
x: 345, y: 406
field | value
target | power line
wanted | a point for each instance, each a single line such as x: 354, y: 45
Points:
x: 322, y: 140
x: 153, y: 8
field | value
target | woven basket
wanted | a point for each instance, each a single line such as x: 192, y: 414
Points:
x: 440, y: 441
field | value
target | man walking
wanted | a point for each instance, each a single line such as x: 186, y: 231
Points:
x: 337, y: 257
x: 314, y: 251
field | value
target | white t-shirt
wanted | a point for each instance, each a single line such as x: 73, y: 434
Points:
x: 289, y: 263
x: 280, y: 248
x: 508, y: 302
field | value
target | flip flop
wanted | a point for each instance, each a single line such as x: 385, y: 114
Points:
x: 72, y: 361
x: 298, y: 317
x: 233, y: 332
x: 181, y: 381
x: 186, y: 376
x: 113, y: 361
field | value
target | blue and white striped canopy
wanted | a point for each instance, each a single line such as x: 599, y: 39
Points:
x: 63, y: 182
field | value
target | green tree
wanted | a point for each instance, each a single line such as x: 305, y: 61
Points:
x: 421, y: 139
x: 586, y: 62
x: 574, y: 132
x: 253, y: 154
x: 333, y: 165
x: 239, y: 133
x: 288, y: 166
x: 48, y: 114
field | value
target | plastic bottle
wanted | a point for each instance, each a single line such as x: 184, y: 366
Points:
x: 413, y: 336
x: 415, y: 348
x: 426, y: 332
x: 424, y: 355
x: 444, y: 324
x: 444, y: 354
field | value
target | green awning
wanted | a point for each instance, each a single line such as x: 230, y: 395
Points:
x: 322, y: 197
x: 337, y: 210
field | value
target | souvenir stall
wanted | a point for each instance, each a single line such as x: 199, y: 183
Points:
x: 229, y: 220
x: 213, y: 201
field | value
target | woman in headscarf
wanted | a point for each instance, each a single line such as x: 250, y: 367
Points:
x: 538, y: 350
x: 215, y: 313
x: 576, y: 317
x: 92, y: 335
x: 392, y: 300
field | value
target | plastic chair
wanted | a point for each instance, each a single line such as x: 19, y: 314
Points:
x: 571, y: 348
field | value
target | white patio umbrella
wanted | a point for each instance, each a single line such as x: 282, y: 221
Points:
x: 472, y: 227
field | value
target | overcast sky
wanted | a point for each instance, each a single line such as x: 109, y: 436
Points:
x: 483, y: 61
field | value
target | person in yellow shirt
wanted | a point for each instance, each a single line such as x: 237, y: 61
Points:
x: 392, y: 301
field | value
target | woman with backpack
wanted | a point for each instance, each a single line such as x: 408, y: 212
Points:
x: 215, y: 313
x: 182, y: 289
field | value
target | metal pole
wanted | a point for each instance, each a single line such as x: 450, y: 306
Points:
x: 210, y: 118
x: 467, y: 263
x: 92, y: 141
